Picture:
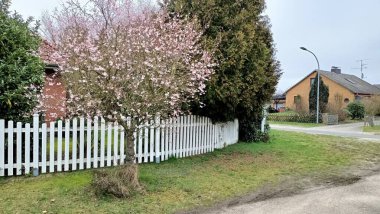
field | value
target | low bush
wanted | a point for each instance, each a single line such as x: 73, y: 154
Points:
x: 356, y: 110
x: 272, y: 110
x: 342, y: 113
x: 121, y: 182
x: 255, y: 135
x: 299, y: 118
x: 372, y: 105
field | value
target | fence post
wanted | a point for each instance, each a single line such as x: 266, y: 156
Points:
x: 157, y: 143
x: 264, y: 121
x: 236, y: 130
x: 222, y: 136
x: 35, y: 144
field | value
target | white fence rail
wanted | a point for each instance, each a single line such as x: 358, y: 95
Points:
x: 79, y: 144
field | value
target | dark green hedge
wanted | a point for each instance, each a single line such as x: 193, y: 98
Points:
x: 299, y: 118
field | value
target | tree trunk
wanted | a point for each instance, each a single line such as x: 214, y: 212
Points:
x: 130, y: 169
x: 131, y: 155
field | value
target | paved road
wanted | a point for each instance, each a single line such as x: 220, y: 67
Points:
x: 360, y: 197
x: 353, y: 130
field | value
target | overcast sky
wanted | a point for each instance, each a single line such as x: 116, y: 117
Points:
x: 339, y: 32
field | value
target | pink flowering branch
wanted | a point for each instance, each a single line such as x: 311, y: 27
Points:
x: 119, y: 60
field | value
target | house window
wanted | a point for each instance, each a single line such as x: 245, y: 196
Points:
x: 346, y: 100
x: 297, y: 99
x: 312, y: 80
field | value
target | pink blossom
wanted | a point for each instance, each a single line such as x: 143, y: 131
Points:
x: 123, y: 59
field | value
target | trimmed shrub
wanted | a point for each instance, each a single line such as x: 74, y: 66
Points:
x: 299, y: 118
x: 356, y: 110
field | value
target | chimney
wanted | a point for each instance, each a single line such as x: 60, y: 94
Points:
x: 336, y: 70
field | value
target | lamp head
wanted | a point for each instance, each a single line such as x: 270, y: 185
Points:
x: 303, y: 48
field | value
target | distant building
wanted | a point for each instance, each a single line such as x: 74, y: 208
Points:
x: 377, y: 85
x: 343, y: 88
x: 278, y: 102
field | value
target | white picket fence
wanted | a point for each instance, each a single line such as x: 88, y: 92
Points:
x: 79, y: 144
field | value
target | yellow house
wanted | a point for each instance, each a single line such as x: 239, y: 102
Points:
x: 343, y: 89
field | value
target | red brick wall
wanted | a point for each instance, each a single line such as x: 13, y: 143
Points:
x: 54, y: 98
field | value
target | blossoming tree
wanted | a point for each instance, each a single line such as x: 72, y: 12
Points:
x: 121, y: 60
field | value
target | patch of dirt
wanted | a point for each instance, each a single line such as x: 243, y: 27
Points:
x: 297, y: 185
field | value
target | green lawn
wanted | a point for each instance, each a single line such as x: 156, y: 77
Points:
x: 349, y: 120
x: 183, y: 184
x: 375, y: 129
x: 305, y: 125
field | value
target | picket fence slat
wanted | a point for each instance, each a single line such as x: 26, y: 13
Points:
x: 176, y: 139
x: 102, y: 142
x: 200, y: 135
x: 115, y: 144
x: 151, y: 141
x: 166, y: 156
x: 109, y: 144
x: 161, y: 142
x: 146, y: 142
x: 36, y: 133
x: 81, y: 143
x: 96, y: 142
x: 170, y: 137
x: 27, y: 149
x: 191, y: 151
x: 140, y: 146
x: 52, y: 146
x: 10, y: 148
x: 59, y: 147
x: 186, y: 136
x: 19, y: 148
x: 86, y: 143
x: 209, y: 135
x: 122, y: 146
x: 75, y: 144
x: 157, y: 137
x: 181, y: 130
x: 67, y: 144
x: 88, y: 146
x: 43, y: 149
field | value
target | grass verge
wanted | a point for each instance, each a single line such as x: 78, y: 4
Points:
x: 305, y: 125
x: 183, y: 184
x: 374, y: 129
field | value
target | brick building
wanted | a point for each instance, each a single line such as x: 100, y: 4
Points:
x: 54, y: 94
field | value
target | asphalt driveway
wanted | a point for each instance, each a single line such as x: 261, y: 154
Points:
x: 360, y: 197
x: 353, y: 130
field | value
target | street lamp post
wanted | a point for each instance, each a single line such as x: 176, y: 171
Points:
x: 305, y: 49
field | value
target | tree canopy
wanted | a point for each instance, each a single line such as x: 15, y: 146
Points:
x: 120, y: 61
x: 247, y: 72
x: 21, y: 70
x: 323, y: 96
